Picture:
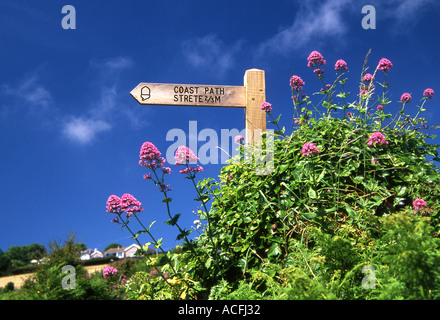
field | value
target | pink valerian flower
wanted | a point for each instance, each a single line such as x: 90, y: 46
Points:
x: 296, y: 83
x: 341, y: 65
x: 428, y: 93
x: 419, y: 204
x: 238, y: 139
x: 150, y: 156
x: 379, y: 107
x: 266, y: 106
x: 130, y: 204
x: 316, y: 60
x: 147, y: 176
x: 184, y: 155
x: 165, y: 187
x: 368, y: 77
x: 191, y: 169
x: 165, y: 170
x: 374, y: 160
x: 384, y: 65
x: 108, y: 271
x: 405, y: 98
x: 377, y: 138
x: 319, y: 72
x: 114, y: 204
x: 309, y: 148
x: 327, y: 87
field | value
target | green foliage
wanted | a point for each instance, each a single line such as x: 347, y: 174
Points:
x: 338, y: 224
x: 20, y: 256
x: 47, y: 283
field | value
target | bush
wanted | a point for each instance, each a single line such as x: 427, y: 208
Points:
x: 349, y: 211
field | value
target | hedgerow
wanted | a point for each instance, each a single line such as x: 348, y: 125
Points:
x: 347, y: 209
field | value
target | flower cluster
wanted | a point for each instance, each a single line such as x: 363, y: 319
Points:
x: 108, y: 271
x: 308, y: 148
x: 130, y: 204
x: 419, y: 204
x: 198, y: 224
x: 316, y: 60
x: 341, y: 65
x: 184, y: 155
x: 165, y: 187
x: 428, y: 93
x: 405, y: 98
x: 377, y: 138
x: 126, y: 203
x: 296, y: 83
x: 384, y: 65
x: 150, y: 156
x: 368, y: 77
x: 238, y: 139
x: 191, y: 169
x: 114, y: 204
x: 266, y: 106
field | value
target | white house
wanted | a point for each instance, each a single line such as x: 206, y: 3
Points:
x: 90, y: 254
x: 122, y: 252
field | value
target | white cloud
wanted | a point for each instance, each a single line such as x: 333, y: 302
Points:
x: 112, y: 65
x: 210, y: 52
x: 30, y: 92
x: 83, y: 130
x: 104, y: 110
x: 404, y: 14
x: 314, y: 20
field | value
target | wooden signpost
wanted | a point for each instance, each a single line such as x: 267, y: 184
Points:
x: 250, y: 96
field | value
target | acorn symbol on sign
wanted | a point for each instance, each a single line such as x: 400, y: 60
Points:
x: 145, y: 93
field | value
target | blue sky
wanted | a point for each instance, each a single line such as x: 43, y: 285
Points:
x: 70, y: 132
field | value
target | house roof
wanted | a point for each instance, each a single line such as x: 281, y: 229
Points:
x: 121, y: 249
x: 114, y: 250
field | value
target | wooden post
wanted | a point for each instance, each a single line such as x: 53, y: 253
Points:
x: 255, y: 85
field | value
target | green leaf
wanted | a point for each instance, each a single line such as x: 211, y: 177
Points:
x: 276, y: 121
x: 167, y: 200
x: 271, y: 272
x: 274, y: 250
x: 402, y: 191
x: 310, y: 215
x: 321, y: 176
x: 312, y: 193
x: 173, y: 220
x: 208, y: 262
x: 350, y: 211
x: 183, y: 234
x: 145, y: 246
x: 158, y: 243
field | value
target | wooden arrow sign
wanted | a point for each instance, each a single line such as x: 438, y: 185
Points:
x: 250, y: 96
x: 190, y: 95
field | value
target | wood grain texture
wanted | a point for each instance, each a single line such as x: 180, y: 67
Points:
x: 254, y: 82
x: 190, y: 95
